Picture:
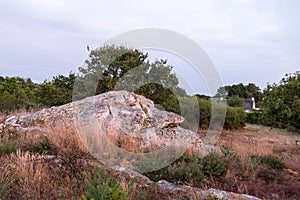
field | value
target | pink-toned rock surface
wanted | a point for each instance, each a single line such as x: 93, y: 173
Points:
x: 125, y: 118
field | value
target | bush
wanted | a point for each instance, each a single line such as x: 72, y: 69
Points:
x: 235, y: 118
x: 270, y: 161
x: 235, y: 101
x: 205, y: 113
x: 7, y: 148
x: 191, y: 170
x: 214, y: 165
x: 254, y: 117
x: 41, y: 147
x: 102, y: 187
x: 183, y: 171
x: 281, y: 104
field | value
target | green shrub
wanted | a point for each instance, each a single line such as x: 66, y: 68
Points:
x: 7, y: 148
x: 189, y: 109
x: 269, y: 175
x: 254, y: 117
x: 235, y: 101
x: 270, y: 161
x: 235, y: 118
x: 205, y: 113
x: 281, y: 104
x: 40, y: 147
x: 103, y: 187
x: 184, y: 172
x: 193, y: 171
x: 214, y: 165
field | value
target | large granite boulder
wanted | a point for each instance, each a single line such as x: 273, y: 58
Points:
x: 118, y: 128
x: 121, y: 129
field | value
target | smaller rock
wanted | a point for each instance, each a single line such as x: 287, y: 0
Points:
x: 177, y: 191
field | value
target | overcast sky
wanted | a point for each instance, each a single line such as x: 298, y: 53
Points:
x: 248, y: 40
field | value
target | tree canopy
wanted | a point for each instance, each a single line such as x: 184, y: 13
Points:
x: 281, y: 104
x: 240, y: 90
x: 119, y: 68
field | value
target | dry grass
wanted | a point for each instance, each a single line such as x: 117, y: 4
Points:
x: 261, y: 140
x: 249, y: 177
x: 36, y: 178
x: 63, y: 173
x: 66, y: 140
x: 2, y: 117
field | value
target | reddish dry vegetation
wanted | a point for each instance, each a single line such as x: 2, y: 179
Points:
x: 62, y: 171
x: 262, y: 180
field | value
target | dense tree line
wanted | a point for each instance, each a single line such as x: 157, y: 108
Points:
x: 281, y: 104
x: 235, y: 94
x: 120, y: 68
x: 23, y: 93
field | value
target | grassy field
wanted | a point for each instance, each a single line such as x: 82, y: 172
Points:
x: 256, y: 160
x: 271, y: 146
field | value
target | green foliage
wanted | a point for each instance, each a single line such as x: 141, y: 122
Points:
x: 40, y: 147
x: 191, y: 170
x: 56, y: 92
x: 20, y: 93
x: 102, y: 187
x: 183, y: 171
x: 7, y: 148
x: 121, y: 68
x: 205, y: 113
x: 161, y: 96
x: 214, y: 165
x: 15, y: 93
x: 235, y: 118
x: 254, y: 117
x: 270, y: 161
x: 105, y: 66
x: 241, y: 91
x: 281, y: 105
x: 235, y: 101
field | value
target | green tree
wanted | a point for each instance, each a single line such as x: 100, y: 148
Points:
x: 104, y: 67
x: 235, y: 101
x: 45, y: 94
x: 239, y: 90
x: 56, y: 92
x: 121, y: 68
x: 63, y: 88
x: 15, y: 94
x: 281, y: 102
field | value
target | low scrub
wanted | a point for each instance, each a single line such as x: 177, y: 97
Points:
x: 256, y: 175
x: 7, y: 148
x: 270, y: 161
x: 200, y: 115
x: 41, y: 147
x: 235, y: 118
x: 103, y: 187
x: 191, y: 170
